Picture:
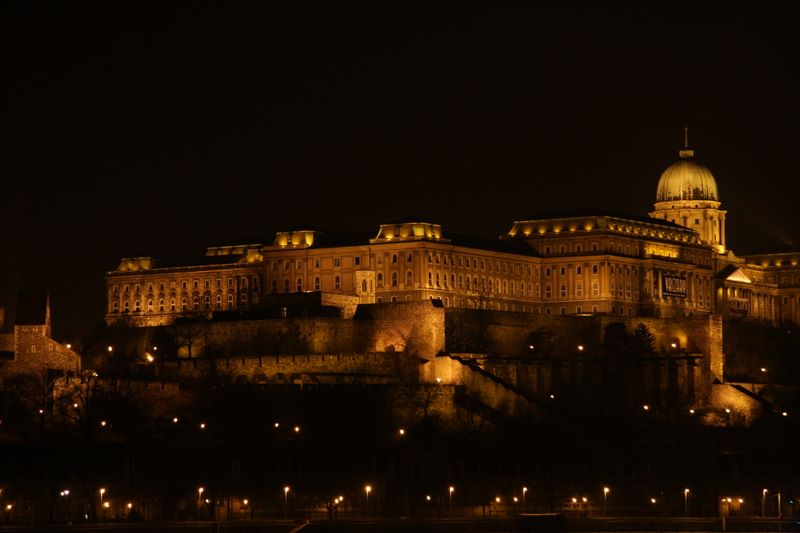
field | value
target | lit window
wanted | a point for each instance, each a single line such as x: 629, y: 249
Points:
x: 183, y: 304
x: 394, y: 258
x: 230, y: 301
x: 219, y: 301
x: 161, y: 304
x: 137, y: 306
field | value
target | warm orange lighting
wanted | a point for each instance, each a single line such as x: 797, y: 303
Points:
x: 402, y: 431
x: 652, y: 500
x: 106, y: 505
x: 297, y: 429
x: 646, y: 407
x: 245, y: 501
x: 130, y: 505
x: 497, y: 499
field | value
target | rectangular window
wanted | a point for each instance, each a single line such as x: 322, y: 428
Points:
x: 337, y: 261
x: 357, y: 260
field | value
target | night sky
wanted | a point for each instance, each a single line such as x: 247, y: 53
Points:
x: 153, y: 129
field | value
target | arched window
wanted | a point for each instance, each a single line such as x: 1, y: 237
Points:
x: 299, y: 284
x: 274, y: 286
x: 150, y: 305
x: 286, y: 285
x: 562, y: 271
x: 379, y: 279
x: 363, y: 285
x: 219, y: 301
x: 196, y: 302
x: 394, y: 259
x: 161, y: 305
x: 230, y: 301
x: 409, y: 279
x: 243, y: 298
x: 184, y: 304
x: 137, y: 306
x: 207, y: 302
x: 115, y: 307
x: 126, y: 306
x: 394, y: 277
x: 594, y: 269
x: 563, y: 291
x: 579, y: 271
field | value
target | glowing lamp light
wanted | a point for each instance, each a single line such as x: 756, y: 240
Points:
x: 646, y: 407
x: 574, y: 500
x: 652, y: 500
x: 402, y: 431
x: 129, y: 505
x: 497, y: 499
x: 297, y: 429
x: 106, y: 505
x: 427, y: 497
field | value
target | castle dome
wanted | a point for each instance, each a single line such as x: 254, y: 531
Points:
x: 685, y: 179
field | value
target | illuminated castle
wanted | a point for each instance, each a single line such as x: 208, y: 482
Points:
x: 673, y: 263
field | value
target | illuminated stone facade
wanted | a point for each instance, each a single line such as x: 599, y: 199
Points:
x: 672, y: 264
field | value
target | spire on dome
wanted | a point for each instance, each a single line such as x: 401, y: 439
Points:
x: 687, y: 152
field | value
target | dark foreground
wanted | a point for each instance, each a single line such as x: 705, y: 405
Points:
x: 533, y: 524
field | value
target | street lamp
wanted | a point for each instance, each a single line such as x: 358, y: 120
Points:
x: 686, y: 502
x: 763, y: 502
x: 606, y: 490
x: 367, y: 490
x: 451, y: 489
x: 200, y: 491
x: 285, y: 500
x: 524, y: 492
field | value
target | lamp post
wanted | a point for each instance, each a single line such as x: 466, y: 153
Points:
x: 285, y: 500
x: 686, y: 502
x: 606, y: 490
x: 524, y: 492
x: 451, y: 489
x: 102, y: 491
x: 367, y: 490
x: 763, y: 502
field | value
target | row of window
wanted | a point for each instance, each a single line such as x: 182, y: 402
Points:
x: 172, y: 304
x: 195, y: 284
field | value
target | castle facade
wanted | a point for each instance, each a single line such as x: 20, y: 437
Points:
x: 674, y: 263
